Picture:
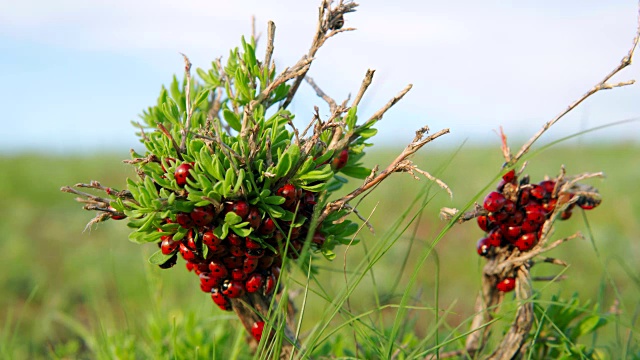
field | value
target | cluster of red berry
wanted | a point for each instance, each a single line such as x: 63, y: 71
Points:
x: 516, y: 214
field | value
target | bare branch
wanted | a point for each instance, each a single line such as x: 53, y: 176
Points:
x: 368, y: 78
x: 602, y: 85
x: 189, y: 105
x: 322, y: 94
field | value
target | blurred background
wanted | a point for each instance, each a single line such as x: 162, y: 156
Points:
x: 75, y: 73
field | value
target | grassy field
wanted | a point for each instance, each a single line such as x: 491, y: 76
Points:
x: 73, y: 294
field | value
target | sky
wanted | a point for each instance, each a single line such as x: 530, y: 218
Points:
x: 74, y: 73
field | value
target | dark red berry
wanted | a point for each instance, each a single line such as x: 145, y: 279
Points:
x: 191, y: 239
x: 525, y: 195
x: 512, y: 232
x: 509, y: 207
x: 550, y: 205
x: 516, y: 218
x: 184, y: 220
x: 340, y: 161
x: 494, y: 201
x: 498, y: 217
x: 483, y: 247
x: 200, y: 268
x: 507, y: 284
x: 182, y: 173
x: 218, y: 269
x: 268, y: 226
x: 202, y: 216
x: 587, y: 203
x: 565, y: 215
x: 257, y: 329
x: 254, y: 282
x: 190, y: 266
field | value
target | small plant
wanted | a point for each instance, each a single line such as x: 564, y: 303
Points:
x: 231, y: 186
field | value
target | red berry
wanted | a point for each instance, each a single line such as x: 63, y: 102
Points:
x: 340, y: 161
x: 232, y: 288
x: 254, y: 282
x: 200, y: 268
x: 494, y: 201
x: 498, y: 217
x: 509, y: 207
x: 526, y: 241
x: 525, y: 195
x: 220, y: 300
x: 256, y: 330
x: 202, y: 216
x: 182, y: 173
x: 587, y: 203
x: 218, y: 269
x: 506, y: 285
x: 516, y: 218
x: 565, y: 215
x: 268, y: 226
x: 483, y: 247
x: 191, y: 240
x: 209, y: 239
x: 550, y: 205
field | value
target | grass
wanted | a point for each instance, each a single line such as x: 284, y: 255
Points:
x: 73, y: 294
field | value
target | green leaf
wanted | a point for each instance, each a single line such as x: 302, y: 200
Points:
x: 241, y: 231
x: 328, y: 254
x: 158, y: 258
x: 357, y: 172
x: 241, y: 174
x: 588, y: 325
x: 284, y: 165
x: 201, y: 97
x: 232, y: 218
x: 274, y: 200
x: 232, y: 119
x: 367, y: 133
x: 351, y: 118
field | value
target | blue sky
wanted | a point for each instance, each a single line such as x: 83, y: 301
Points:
x: 74, y: 73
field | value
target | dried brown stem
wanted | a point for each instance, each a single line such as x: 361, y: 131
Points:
x: 380, y: 113
x: 322, y: 94
x: 400, y: 164
x: 271, y: 33
x: 327, y: 18
x: 368, y: 78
